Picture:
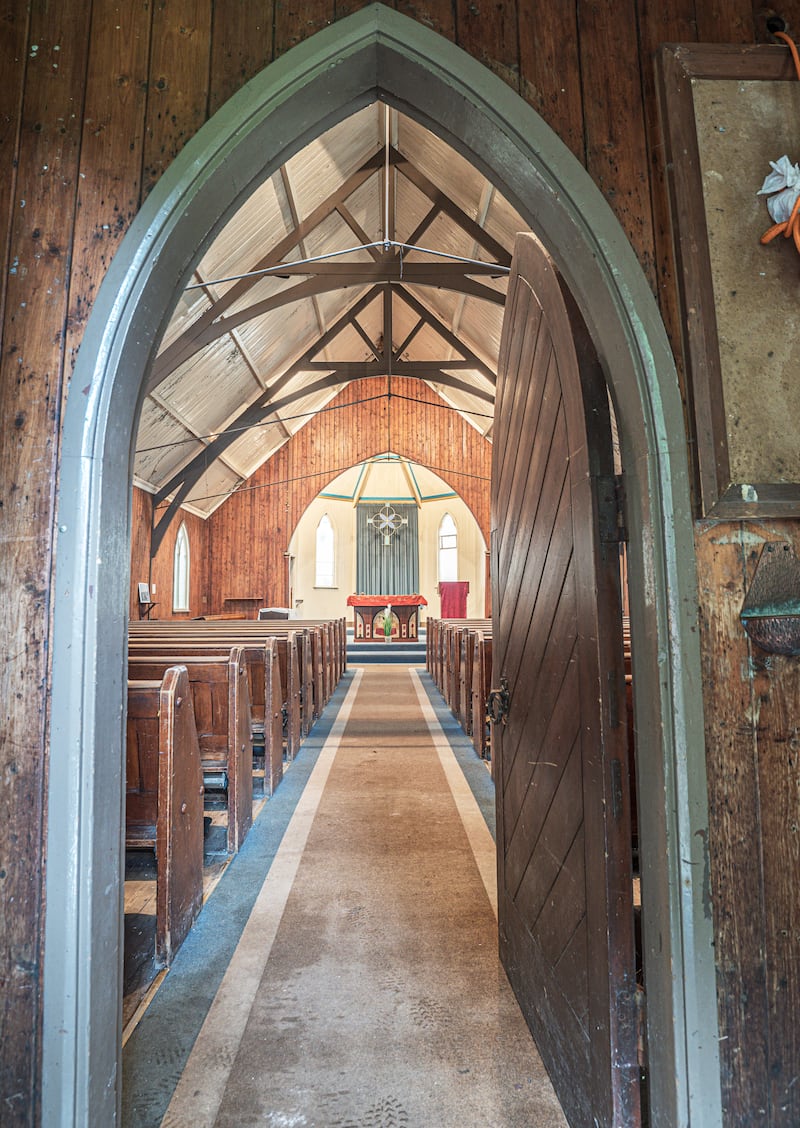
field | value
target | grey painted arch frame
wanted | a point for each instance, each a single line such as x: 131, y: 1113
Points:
x: 373, y: 54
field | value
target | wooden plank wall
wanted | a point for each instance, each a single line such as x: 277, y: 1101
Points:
x: 96, y: 101
x: 249, y: 534
x: 158, y: 572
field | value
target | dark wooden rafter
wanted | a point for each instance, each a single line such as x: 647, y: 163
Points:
x: 327, y: 276
x: 357, y: 229
x: 446, y: 334
x: 182, y: 348
x: 424, y: 224
x: 449, y: 208
x: 389, y: 273
x: 401, y: 348
x: 387, y: 361
x: 323, y: 276
x: 256, y: 411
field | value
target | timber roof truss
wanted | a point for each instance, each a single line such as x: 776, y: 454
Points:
x: 376, y: 252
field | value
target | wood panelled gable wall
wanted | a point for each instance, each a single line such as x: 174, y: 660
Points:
x: 250, y: 533
x: 244, y: 541
x: 96, y: 101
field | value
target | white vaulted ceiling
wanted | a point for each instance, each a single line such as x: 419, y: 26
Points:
x: 242, y: 367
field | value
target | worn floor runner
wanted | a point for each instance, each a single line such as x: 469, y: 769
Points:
x: 366, y: 991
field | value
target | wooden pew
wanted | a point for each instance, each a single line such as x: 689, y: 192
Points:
x: 295, y: 668
x: 164, y: 801
x: 321, y: 670
x: 221, y: 701
x: 481, y: 684
x: 465, y: 679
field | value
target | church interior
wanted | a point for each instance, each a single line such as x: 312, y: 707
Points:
x: 400, y: 487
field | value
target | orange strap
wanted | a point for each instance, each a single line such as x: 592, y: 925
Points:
x: 790, y: 227
x: 792, y: 47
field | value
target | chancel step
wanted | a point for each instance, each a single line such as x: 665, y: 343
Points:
x: 399, y: 652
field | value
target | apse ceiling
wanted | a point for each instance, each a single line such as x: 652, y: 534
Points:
x: 376, y: 251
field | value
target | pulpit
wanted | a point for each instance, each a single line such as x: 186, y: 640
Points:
x: 369, y: 611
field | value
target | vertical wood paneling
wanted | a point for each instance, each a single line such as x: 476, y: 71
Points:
x: 670, y: 22
x: 111, y: 149
x: 550, y: 76
x: 616, y: 148
x: 177, y: 88
x: 241, y: 45
x: 13, y: 40
x: 488, y: 30
x: 725, y: 566
x: 295, y: 20
x: 777, y: 694
x: 436, y: 14
x: 31, y: 371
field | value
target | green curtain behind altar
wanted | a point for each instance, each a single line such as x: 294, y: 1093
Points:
x: 383, y: 569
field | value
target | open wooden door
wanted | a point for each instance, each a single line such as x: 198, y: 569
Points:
x: 563, y: 821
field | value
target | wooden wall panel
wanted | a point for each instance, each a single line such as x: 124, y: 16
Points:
x: 616, y: 146
x: 109, y: 181
x: 489, y: 32
x: 550, y: 77
x: 439, y: 15
x: 752, y: 748
x: 177, y: 87
x: 13, y: 39
x: 241, y: 45
x: 158, y: 572
x: 82, y: 111
x: 36, y: 261
x: 295, y: 21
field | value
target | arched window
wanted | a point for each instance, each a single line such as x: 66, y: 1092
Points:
x: 180, y: 572
x: 448, y: 549
x: 326, y: 557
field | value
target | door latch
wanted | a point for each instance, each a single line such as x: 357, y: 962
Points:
x: 498, y: 702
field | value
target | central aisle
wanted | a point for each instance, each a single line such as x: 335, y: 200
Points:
x: 379, y: 996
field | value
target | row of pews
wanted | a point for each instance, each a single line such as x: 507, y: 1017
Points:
x: 213, y: 705
x: 459, y: 659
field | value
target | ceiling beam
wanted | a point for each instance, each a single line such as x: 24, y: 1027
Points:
x: 255, y: 412
x: 184, y: 481
x: 323, y: 278
x: 290, y: 200
x: 358, y: 230
x: 446, y: 334
x: 451, y: 209
x: 181, y: 348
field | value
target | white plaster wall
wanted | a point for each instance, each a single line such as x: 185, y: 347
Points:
x: 327, y: 602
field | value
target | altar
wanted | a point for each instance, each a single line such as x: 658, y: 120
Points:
x: 369, y: 611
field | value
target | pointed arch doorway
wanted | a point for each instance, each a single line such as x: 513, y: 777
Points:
x: 375, y: 54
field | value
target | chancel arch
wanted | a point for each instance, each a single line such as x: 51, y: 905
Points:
x: 373, y: 485
x: 376, y: 54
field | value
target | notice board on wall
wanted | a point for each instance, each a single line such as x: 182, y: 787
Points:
x: 727, y: 112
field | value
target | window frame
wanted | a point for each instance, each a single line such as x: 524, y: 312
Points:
x: 333, y: 581
x: 440, y: 548
x: 181, y: 570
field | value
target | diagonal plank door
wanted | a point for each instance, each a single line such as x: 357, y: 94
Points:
x: 563, y: 819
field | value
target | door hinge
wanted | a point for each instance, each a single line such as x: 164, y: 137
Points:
x: 497, y: 703
x: 611, y: 509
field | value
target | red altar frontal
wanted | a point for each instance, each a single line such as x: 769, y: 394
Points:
x: 369, y: 611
